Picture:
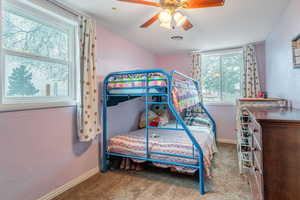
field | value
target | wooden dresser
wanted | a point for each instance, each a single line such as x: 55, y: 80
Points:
x: 275, y: 152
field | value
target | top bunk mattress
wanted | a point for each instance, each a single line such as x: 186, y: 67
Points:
x: 137, y: 81
x: 184, y: 92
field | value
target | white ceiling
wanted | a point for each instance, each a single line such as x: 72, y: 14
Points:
x: 237, y: 23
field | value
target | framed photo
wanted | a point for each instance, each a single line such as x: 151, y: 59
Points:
x: 296, y: 51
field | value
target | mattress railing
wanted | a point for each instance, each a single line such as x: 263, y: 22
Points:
x: 183, y: 127
x: 200, y: 104
x: 189, y: 133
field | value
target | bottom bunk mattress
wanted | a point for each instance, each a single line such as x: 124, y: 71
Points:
x: 167, y: 142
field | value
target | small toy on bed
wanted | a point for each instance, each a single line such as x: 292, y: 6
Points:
x: 151, y: 116
x: 162, y: 117
x: 161, y: 110
x: 155, y: 122
x: 157, y: 115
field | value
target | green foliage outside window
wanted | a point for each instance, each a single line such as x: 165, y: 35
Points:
x: 29, y: 35
x: 221, y: 77
x: 20, y: 83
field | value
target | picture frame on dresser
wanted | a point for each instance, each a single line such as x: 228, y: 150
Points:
x: 296, y: 51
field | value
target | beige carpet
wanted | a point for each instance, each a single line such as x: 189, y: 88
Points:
x: 154, y: 183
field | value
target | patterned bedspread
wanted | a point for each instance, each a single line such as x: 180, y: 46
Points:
x: 136, y: 80
x: 167, y: 141
x: 184, y: 93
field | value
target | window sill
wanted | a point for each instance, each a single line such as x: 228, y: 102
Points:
x: 34, y: 106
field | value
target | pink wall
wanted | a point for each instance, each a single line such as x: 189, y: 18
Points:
x: 118, y: 54
x: 224, y: 115
x: 282, y: 79
x: 39, y: 150
x: 180, y: 62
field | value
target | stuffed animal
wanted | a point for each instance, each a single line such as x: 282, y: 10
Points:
x: 155, y: 122
x: 157, y: 115
x: 161, y: 111
x: 151, y: 116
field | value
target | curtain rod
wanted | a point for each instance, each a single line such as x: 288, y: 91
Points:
x: 224, y: 49
x: 229, y: 48
x: 67, y: 8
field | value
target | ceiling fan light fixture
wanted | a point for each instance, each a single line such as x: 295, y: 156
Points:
x: 168, y: 16
x: 165, y: 16
x: 166, y: 25
x: 179, y: 18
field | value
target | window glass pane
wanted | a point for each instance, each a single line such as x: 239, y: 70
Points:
x: 231, y: 79
x: 24, y: 34
x: 211, y: 78
x: 26, y: 77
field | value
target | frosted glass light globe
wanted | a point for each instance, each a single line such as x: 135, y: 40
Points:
x: 179, y: 18
x: 165, y: 16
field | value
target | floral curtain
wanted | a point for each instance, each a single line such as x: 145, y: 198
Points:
x: 196, y: 74
x: 251, y: 77
x: 87, y: 108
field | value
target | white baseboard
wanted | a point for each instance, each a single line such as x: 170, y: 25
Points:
x: 226, y: 141
x: 69, y: 184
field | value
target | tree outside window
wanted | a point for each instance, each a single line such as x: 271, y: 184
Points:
x: 39, y: 57
x: 221, y: 76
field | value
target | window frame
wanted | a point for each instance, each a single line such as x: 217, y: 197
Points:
x: 47, y: 16
x: 223, y: 53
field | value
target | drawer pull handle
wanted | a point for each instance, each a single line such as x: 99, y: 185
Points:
x: 255, y: 130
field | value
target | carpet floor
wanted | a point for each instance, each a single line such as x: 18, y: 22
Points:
x: 154, y: 183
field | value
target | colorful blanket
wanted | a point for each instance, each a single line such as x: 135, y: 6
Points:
x: 184, y: 95
x: 137, y: 80
x: 167, y: 141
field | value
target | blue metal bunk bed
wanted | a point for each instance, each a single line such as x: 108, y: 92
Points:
x: 146, y: 90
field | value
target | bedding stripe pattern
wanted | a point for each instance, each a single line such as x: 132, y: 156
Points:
x: 137, y: 80
x: 184, y: 94
x: 168, y: 142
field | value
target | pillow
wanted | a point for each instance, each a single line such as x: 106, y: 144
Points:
x: 196, y: 121
x: 151, y: 116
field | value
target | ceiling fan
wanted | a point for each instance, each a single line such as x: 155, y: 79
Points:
x: 170, y: 14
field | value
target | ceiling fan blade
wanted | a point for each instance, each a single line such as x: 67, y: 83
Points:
x: 202, y: 3
x: 150, y: 21
x: 187, y: 25
x: 148, y: 3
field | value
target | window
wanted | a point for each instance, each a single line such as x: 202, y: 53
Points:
x: 221, y: 76
x: 38, y: 62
